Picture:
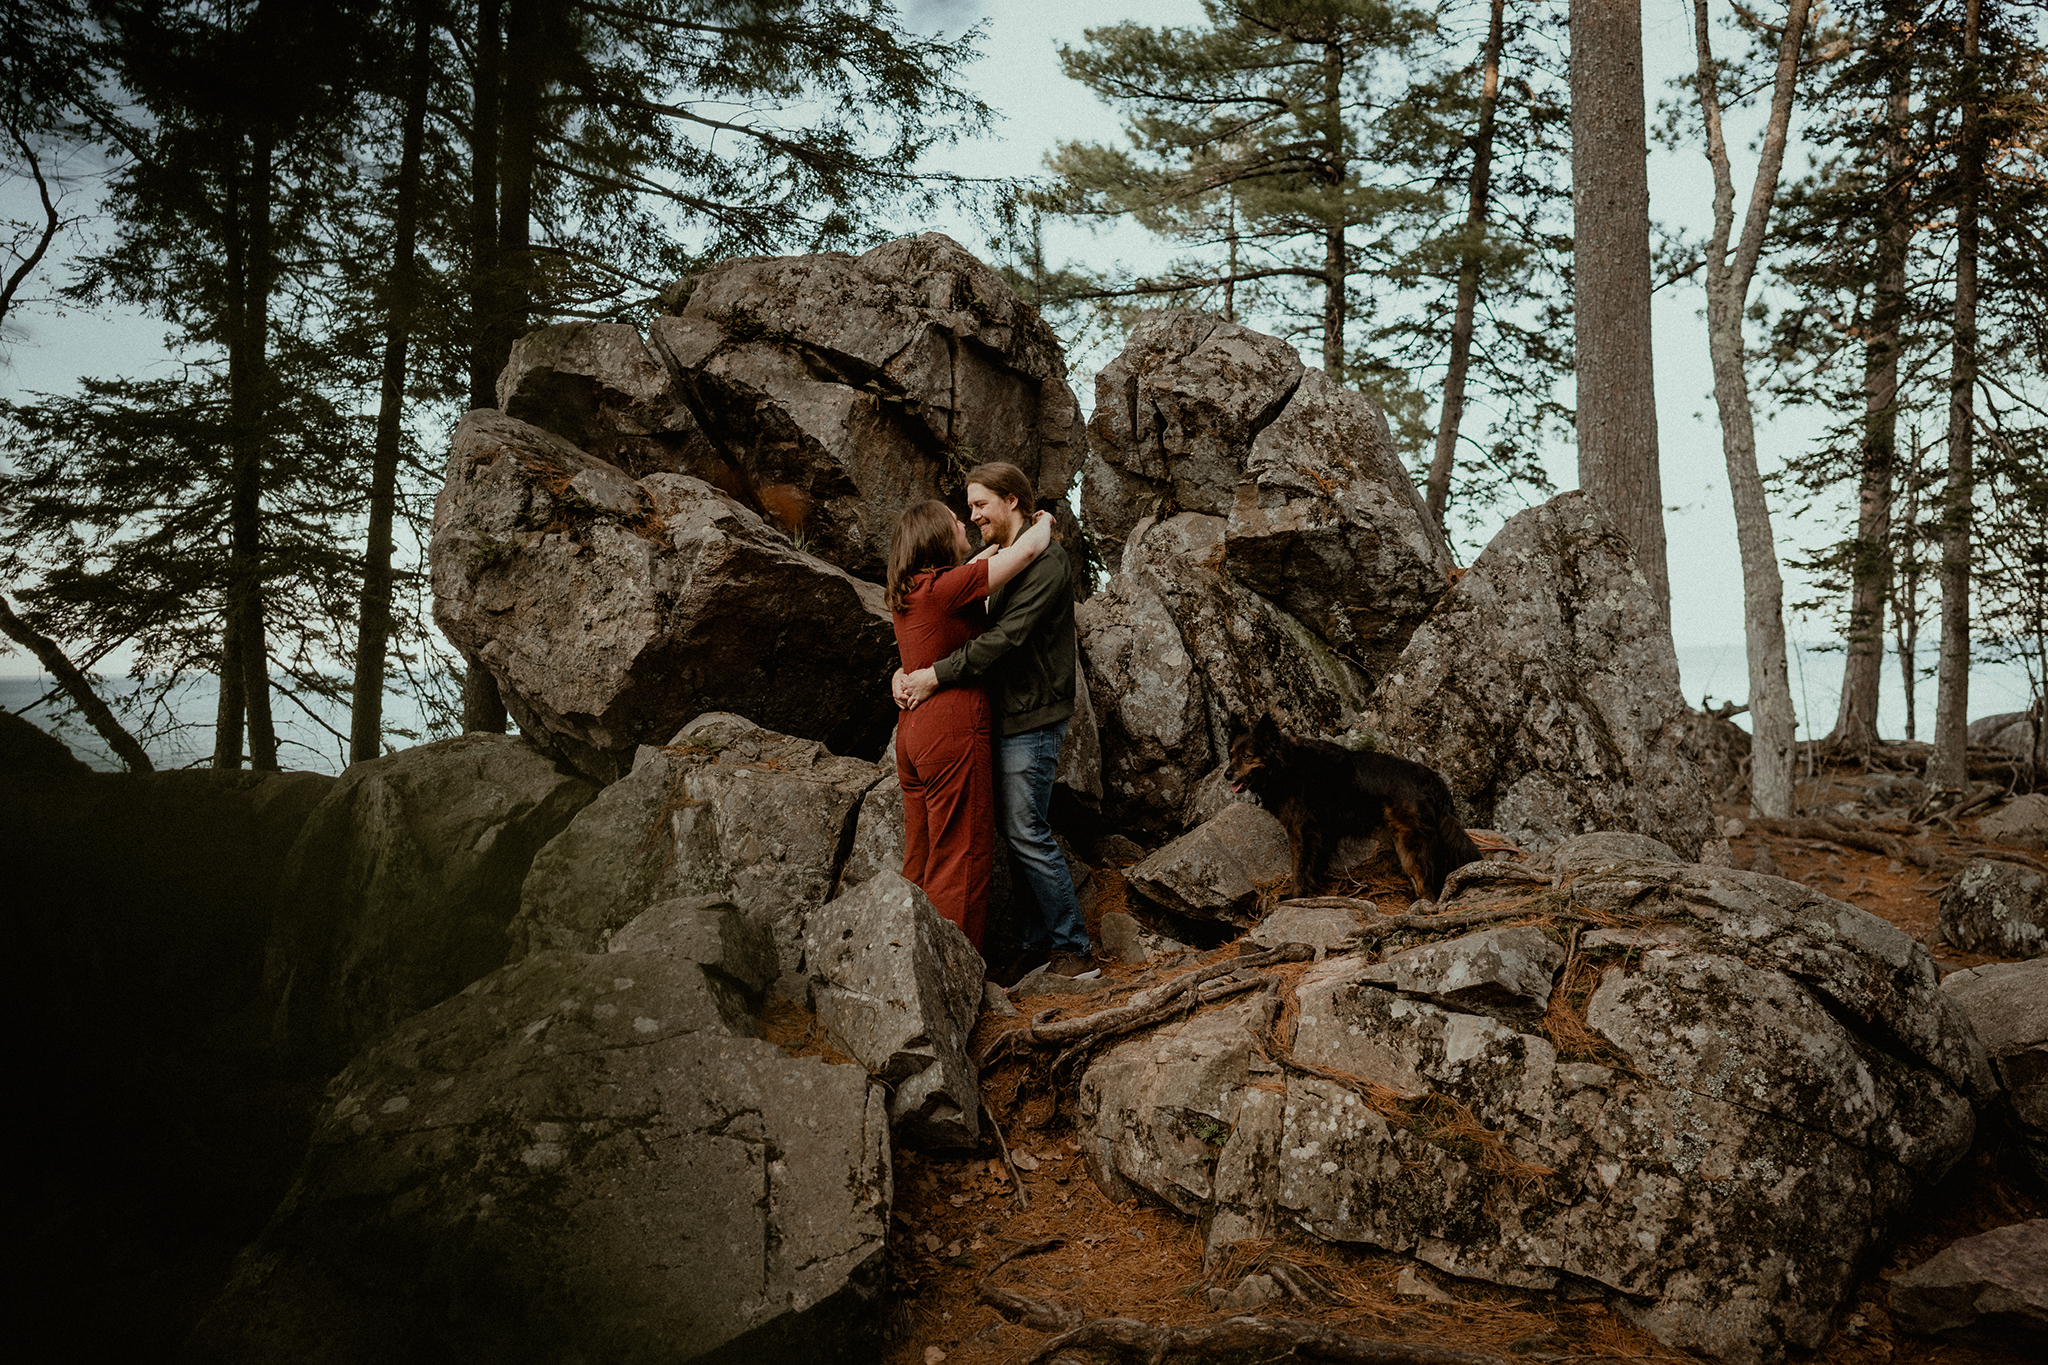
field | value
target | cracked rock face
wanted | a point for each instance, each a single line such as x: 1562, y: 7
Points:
x: 598, y: 387
x: 1542, y: 690
x: 1751, y: 1104
x: 1997, y: 907
x: 726, y: 809
x: 900, y: 987
x: 1174, y: 648
x: 582, y: 1156
x: 843, y: 388
x: 607, y: 609
x: 400, y: 886
x: 2007, y: 1003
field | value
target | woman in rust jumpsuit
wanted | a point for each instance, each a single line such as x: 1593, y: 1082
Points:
x: 942, y: 747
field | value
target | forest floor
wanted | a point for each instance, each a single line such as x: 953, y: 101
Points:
x: 958, y: 1217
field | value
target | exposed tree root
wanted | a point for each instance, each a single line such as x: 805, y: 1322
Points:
x: 1016, y: 1180
x: 1386, y: 924
x: 1152, y: 1343
x: 1179, y: 993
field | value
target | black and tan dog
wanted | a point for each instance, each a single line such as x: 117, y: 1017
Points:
x: 1323, y: 792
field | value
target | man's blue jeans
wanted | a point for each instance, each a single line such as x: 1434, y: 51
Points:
x: 1025, y: 765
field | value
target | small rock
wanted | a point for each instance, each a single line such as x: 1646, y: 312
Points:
x: 1999, y: 1278
x: 1411, y: 1285
x: 995, y: 1000
x: 1052, y: 983
x: 1608, y: 848
x: 1765, y: 863
x: 1493, y: 967
x: 1215, y: 870
x: 1252, y: 1292
x: 1322, y: 928
x: 1119, y: 936
x: 1997, y: 907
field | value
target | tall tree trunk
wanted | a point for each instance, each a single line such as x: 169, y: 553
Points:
x: 483, y: 205
x: 1468, y: 275
x: 229, y: 705
x: 252, y: 424
x: 373, y: 629
x: 75, y: 684
x: 1336, y: 253
x: 1906, y: 592
x: 1617, y: 406
x: 1947, y: 769
x: 1772, y: 719
x: 1870, y: 565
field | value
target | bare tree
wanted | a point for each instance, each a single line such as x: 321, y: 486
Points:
x: 77, y: 686
x: 1728, y: 279
x: 1617, y: 406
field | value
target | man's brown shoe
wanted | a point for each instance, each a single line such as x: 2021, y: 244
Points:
x: 1077, y: 965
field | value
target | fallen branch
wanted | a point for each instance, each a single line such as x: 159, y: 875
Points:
x: 1278, y: 1336
x: 1040, y: 1315
x: 1387, y: 924
x: 1016, y: 1177
x: 1037, y: 1248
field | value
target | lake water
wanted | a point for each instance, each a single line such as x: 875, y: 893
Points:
x: 317, y: 741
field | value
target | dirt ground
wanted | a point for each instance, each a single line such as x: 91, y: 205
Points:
x: 958, y: 1217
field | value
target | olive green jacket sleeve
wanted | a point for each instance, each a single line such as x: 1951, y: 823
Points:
x: 1033, y: 595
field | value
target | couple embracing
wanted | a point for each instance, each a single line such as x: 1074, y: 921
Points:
x: 986, y: 690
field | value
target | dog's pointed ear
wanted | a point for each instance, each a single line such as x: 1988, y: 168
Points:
x: 1237, y: 730
x: 1266, y: 730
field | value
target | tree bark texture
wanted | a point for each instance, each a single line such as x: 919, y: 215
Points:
x: 483, y: 205
x: 373, y: 627
x: 1617, y: 407
x: 1773, y: 722
x: 1453, y: 413
x: 76, y: 686
x: 1870, y: 564
x: 1336, y: 253
x: 1947, y: 768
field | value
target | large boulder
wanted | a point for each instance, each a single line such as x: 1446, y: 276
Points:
x: 899, y: 987
x: 2021, y: 822
x: 1174, y: 650
x: 1204, y: 416
x: 1217, y: 869
x: 1757, y: 1084
x: 580, y: 1157
x: 1996, y: 907
x: 598, y: 387
x: 611, y: 610
x: 1995, y: 1283
x: 1545, y: 690
x: 725, y: 808
x: 844, y: 388
x: 399, y: 888
x: 2008, y: 1006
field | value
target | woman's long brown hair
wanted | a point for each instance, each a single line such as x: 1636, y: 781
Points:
x: 923, y: 539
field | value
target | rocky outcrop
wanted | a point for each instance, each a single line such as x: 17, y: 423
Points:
x: 1995, y: 1283
x: 2021, y: 822
x: 598, y: 387
x: 844, y: 388
x: 1759, y: 1080
x: 2007, y: 1003
x: 1216, y: 870
x: 400, y: 886
x: 1545, y: 691
x: 1996, y: 907
x: 607, y: 609
x: 580, y: 1157
x: 1605, y: 848
x: 725, y: 808
x: 899, y: 987
x: 1174, y: 649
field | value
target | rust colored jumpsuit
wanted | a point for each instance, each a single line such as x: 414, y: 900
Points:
x: 943, y: 755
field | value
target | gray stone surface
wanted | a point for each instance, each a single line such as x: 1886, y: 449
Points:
x: 877, y: 831
x: 2022, y: 822
x: 1174, y: 648
x: 1995, y: 1280
x: 1493, y: 968
x: 608, y: 609
x: 1215, y: 870
x: 899, y: 987
x: 726, y: 809
x: 1322, y: 927
x: 1543, y: 690
x: 708, y: 930
x: 1606, y: 848
x: 1773, y: 1091
x: 400, y: 886
x: 1996, y: 907
x: 841, y: 389
x: 577, y: 1158
x: 2007, y: 1004
x: 598, y: 387
x: 1124, y: 938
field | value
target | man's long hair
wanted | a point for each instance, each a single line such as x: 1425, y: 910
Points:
x: 923, y: 539
x: 1006, y: 481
